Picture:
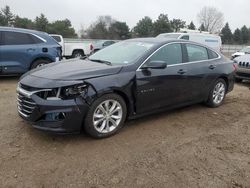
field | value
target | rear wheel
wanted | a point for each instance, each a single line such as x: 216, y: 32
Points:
x: 217, y: 93
x: 78, y: 54
x: 39, y: 63
x: 106, y: 116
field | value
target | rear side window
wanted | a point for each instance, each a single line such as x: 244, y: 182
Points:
x: 185, y: 37
x: 171, y: 54
x: 212, y: 54
x: 57, y: 38
x: 16, y: 38
x: 196, y: 53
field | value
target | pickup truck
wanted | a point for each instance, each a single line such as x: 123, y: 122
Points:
x: 100, y: 44
x: 73, y: 48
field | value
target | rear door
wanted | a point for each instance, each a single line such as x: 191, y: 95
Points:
x: 18, y: 50
x: 199, y: 71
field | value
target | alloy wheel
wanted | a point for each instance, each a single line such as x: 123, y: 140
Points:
x: 107, y: 116
x: 219, y: 92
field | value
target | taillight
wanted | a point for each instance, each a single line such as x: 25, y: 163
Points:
x: 234, y: 66
x: 91, y: 47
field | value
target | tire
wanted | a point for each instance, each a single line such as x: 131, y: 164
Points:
x: 95, y: 123
x: 238, y: 80
x: 39, y: 63
x: 78, y: 54
x: 217, y: 94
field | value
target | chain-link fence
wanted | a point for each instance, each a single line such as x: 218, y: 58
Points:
x: 228, y: 49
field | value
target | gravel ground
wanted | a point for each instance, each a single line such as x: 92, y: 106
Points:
x: 194, y: 146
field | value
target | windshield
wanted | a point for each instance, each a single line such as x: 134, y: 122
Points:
x: 246, y: 50
x: 169, y: 35
x: 122, y: 52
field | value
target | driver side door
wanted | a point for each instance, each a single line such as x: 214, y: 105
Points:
x: 157, y: 88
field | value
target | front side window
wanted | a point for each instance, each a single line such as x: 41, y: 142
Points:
x: 16, y: 38
x: 171, y: 54
x: 196, y: 53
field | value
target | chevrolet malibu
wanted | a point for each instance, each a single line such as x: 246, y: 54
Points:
x: 127, y: 80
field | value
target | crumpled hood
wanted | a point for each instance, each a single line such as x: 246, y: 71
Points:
x: 74, y: 70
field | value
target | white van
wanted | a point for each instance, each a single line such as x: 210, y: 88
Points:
x: 213, y: 41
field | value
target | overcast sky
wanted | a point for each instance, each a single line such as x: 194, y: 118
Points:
x: 83, y: 12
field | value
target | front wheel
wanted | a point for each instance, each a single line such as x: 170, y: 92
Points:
x: 217, y: 93
x: 106, y: 116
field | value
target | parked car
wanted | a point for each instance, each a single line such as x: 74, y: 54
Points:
x: 243, y: 68
x: 73, y: 48
x: 102, y: 44
x: 126, y: 80
x: 213, y: 41
x: 243, y: 51
x: 22, y: 50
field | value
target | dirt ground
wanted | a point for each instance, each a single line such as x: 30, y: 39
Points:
x: 191, y: 147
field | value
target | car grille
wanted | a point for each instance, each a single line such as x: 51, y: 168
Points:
x: 25, y: 104
x: 244, y: 65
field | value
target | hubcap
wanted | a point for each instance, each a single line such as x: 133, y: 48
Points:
x: 107, y: 116
x: 219, y: 93
x: 78, y: 55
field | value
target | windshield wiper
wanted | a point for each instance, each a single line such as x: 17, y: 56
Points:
x: 101, y: 61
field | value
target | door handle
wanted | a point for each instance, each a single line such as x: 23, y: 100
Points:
x: 181, y: 71
x: 212, y: 67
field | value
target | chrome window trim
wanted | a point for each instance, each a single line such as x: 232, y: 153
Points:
x: 191, y: 62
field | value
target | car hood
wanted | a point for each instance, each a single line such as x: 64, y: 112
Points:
x: 238, y: 54
x: 244, y: 58
x: 74, y: 70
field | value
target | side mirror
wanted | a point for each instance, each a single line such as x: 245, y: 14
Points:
x: 155, y: 65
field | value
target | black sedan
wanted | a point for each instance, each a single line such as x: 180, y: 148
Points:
x: 129, y: 79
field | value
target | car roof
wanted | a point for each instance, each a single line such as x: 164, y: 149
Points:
x: 160, y: 41
x: 200, y: 34
x: 155, y: 40
x: 20, y: 30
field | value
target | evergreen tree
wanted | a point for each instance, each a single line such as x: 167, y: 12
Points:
x: 237, y: 36
x: 177, y: 24
x: 202, y: 28
x: 6, y: 17
x: 144, y: 28
x: 245, y: 34
x: 191, y: 26
x: 23, y: 23
x: 227, y: 35
x: 162, y: 25
x: 41, y: 23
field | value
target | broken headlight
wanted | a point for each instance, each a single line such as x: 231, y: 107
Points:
x: 73, y: 91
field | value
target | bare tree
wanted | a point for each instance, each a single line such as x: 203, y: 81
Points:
x: 211, y: 18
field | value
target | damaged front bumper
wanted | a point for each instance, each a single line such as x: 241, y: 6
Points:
x: 55, y: 115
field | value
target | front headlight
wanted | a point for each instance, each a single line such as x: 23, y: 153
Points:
x: 73, y: 91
